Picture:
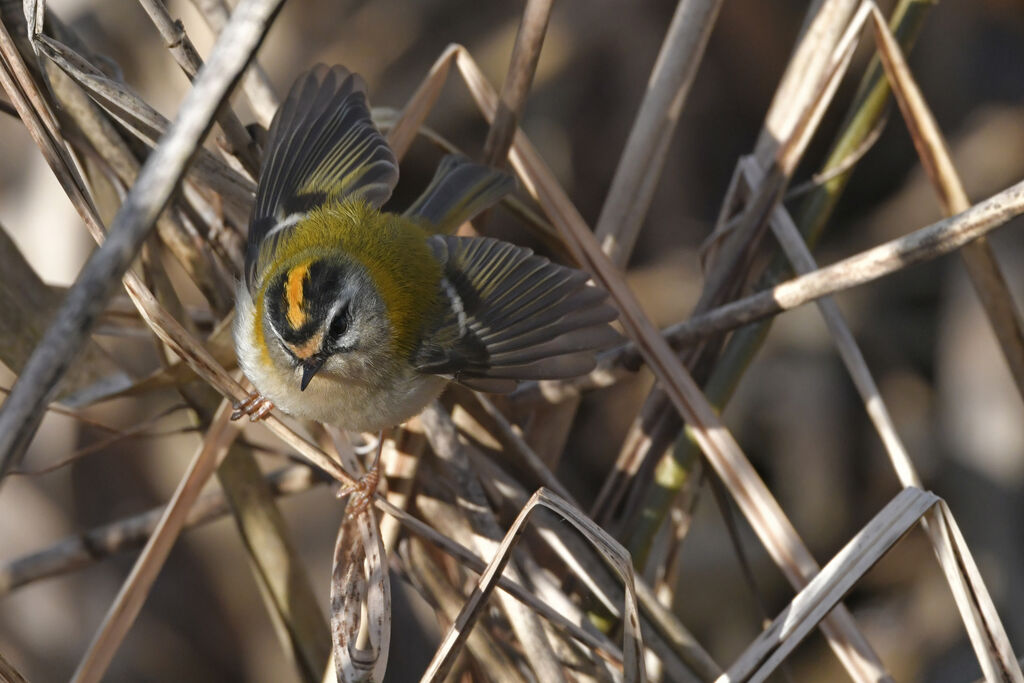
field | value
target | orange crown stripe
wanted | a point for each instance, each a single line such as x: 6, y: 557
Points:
x: 294, y: 295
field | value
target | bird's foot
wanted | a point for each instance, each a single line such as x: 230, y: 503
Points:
x: 362, y: 491
x: 255, y: 406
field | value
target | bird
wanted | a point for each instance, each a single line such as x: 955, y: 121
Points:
x: 359, y: 317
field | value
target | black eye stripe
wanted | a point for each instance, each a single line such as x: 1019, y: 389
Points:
x: 321, y: 286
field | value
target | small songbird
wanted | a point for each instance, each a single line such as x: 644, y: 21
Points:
x: 359, y: 318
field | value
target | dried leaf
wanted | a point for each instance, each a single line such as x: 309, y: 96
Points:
x: 359, y: 580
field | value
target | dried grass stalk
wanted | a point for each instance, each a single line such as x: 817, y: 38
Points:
x: 359, y: 583
x: 611, y: 551
x: 521, y: 68
x: 136, y: 587
x: 847, y: 567
x: 176, y: 40
x: 823, y: 592
x: 22, y: 411
x: 443, y: 438
x: 639, y: 168
x: 982, y: 265
x: 764, y: 513
x: 93, y: 545
x: 8, y: 673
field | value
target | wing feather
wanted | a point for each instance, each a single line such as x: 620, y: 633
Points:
x: 518, y: 316
x: 459, y: 190
x: 322, y: 146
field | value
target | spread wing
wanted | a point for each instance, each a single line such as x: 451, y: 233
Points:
x: 513, y: 316
x: 460, y: 190
x: 322, y: 147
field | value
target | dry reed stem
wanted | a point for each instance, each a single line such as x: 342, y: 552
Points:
x: 983, y: 632
x: 403, y: 132
x: 833, y: 582
x: 982, y: 265
x: 22, y: 411
x: 26, y: 302
x: 255, y: 83
x: 637, y: 173
x: 400, y: 462
x: 615, y: 554
x: 984, y: 627
x: 430, y: 578
x: 734, y: 245
x: 789, y: 124
x: 88, y: 547
x: 663, y: 632
x: 450, y: 523
x: 753, y: 497
x: 518, y: 448
x: 643, y: 158
x: 521, y: 68
x: 78, y: 551
x: 148, y: 125
x: 990, y: 641
x: 387, y: 117
x: 136, y: 587
x: 35, y: 14
x: 8, y: 673
x: 176, y: 40
x: 826, y: 21
x: 925, y: 244
x: 802, y: 260
x: 850, y: 564
x: 359, y: 578
x: 472, y: 503
x: 104, y: 141
x: 38, y: 120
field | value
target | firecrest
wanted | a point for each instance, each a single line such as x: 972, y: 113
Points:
x: 359, y: 317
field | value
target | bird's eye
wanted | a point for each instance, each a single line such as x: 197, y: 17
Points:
x: 339, y: 325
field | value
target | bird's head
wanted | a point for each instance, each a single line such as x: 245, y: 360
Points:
x: 322, y: 312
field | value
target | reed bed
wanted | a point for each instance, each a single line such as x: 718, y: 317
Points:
x: 545, y: 535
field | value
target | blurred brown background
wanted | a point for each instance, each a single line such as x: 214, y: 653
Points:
x: 796, y: 413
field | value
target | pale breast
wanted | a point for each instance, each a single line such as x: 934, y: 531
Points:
x: 358, y: 406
